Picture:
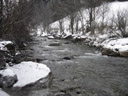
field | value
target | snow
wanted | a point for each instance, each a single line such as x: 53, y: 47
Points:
x: 44, y: 34
x: 93, y: 54
x: 2, y: 93
x: 50, y: 37
x: 7, y: 72
x: 103, y: 36
x: 118, y: 6
x: 29, y: 72
x: 115, y: 8
x: 118, y: 44
x: 3, y: 44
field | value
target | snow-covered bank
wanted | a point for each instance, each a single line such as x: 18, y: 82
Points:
x: 119, y: 46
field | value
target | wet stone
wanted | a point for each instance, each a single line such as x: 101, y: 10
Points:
x: 67, y: 42
x: 109, y: 52
x: 124, y: 53
x: 55, y: 44
x: 67, y: 58
x: 2, y: 60
x: 6, y: 80
x: 62, y: 94
x: 18, y: 58
x: 11, y: 48
x: 78, y: 92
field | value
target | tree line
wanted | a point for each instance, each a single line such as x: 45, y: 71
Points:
x: 19, y: 17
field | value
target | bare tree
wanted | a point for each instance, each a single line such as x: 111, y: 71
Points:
x: 102, y: 12
x: 91, y: 9
x: 72, y: 21
x: 121, y: 22
x: 61, y: 26
x: 15, y: 19
x: 1, y: 16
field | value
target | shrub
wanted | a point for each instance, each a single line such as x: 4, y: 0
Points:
x: 15, y: 20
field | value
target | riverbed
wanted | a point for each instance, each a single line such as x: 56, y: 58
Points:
x: 78, y: 70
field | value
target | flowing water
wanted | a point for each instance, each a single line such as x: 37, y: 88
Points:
x: 79, y: 70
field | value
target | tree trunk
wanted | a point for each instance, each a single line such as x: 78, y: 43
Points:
x: 1, y: 16
x: 72, y: 22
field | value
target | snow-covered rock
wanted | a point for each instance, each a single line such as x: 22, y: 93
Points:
x: 50, y: 37
x: 3, y: 44
x: 7, y: 78
x: 2, y: 60
x: 119, y: 46
x: 109, y: 52
x: 2, y: 93
x: 124, y: 53
x: 7, y: 51
x: 29, y: 73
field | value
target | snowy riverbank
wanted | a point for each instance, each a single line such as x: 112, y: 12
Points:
x: 21, y: 75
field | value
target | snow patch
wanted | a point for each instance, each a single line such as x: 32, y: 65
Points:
x: 118, y: 6
x: 117, y: 45
x: 3, y: 44
x: 93, y: 54
x: 7, y: 72
x: 2, y: 93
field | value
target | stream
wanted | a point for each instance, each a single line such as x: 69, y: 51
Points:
x: 78, y: 70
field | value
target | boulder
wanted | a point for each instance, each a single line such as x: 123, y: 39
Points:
x: 109, y: 52
x: 2, y: 61
x: 75, y: 40
x: 18, y: 58
x: 11, y: 47
x: 31, y: 75
x: 69, y: 37
x: 7, y: 78
x: 67, y: 58
x: 55, y: 44
x: 124, y: 53
x: 50, y: 37
x: 62, y: 94
x: 67, y: 42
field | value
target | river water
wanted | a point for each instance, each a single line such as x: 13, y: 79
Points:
x: 79, y: 70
